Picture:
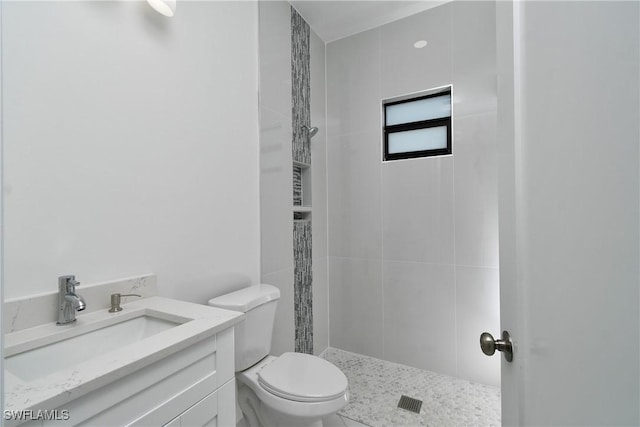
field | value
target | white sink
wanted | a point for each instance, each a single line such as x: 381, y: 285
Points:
x: 50, y: 366
x: 65, y: 353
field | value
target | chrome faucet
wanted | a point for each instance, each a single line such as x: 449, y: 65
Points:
x: 68, y: 301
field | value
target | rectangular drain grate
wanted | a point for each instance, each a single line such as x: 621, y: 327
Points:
x: 410, y: 404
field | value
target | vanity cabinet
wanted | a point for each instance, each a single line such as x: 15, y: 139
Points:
x: 211, y: 411
x: 194, y: 386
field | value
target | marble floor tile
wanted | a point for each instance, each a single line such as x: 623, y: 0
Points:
x: 375, y: 387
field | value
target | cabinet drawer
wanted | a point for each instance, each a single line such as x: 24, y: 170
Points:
x: 217, y: 409
x: 166, y: 388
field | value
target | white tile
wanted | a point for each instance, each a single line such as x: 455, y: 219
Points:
x: 283, y: 329
x: 419, y: 315
x: 318, y: 84
x: 318, y: 147
x: 276, y: 192
x: 355, y: 304
x: 275, y: 56
x: 320, y: 304
x: 353, y: 70
x: 355, y: 217
x: 319, y: 196
x: 405, y: 69
x: 418, y: 210
x: 476, y: 191
x: 474, y: 57
x: 477, y: 311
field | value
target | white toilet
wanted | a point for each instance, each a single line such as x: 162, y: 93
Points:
x: 294, y: 389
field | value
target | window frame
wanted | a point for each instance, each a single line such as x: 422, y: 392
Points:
x: 423, y: 124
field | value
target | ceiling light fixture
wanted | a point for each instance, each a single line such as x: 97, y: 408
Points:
x: 420, y: 44
x: 163, y: 7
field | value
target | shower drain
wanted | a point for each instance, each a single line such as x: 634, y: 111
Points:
x: 410, y: 404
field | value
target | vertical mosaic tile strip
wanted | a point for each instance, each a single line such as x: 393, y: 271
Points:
x: 301, y: 151
x: 302, y: 290
x: 297, y: 186
x: 300, y: 87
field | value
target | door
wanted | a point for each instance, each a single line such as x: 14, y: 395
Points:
x: 568, y: 115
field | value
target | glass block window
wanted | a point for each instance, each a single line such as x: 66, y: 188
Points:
x: 418, y: 126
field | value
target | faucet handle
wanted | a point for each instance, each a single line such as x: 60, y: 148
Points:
x: 69, y: 278
x: 67, y: 283
x: 115, y: 301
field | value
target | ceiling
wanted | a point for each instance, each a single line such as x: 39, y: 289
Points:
x: 333, y: 20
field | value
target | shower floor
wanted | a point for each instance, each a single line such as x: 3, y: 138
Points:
x: 375, y: 387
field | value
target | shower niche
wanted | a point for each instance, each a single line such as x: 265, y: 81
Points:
x: 301, y: 187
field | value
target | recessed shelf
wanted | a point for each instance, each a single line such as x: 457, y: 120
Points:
x: 302, y: 208
x: 301, y: 215
x: 302, y: 165
x: 301, y: 185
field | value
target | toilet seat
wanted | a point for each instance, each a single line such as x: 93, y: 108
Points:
x: 303, y: 378
x: 295, y: 411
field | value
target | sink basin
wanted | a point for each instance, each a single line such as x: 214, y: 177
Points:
x: 52, y: 357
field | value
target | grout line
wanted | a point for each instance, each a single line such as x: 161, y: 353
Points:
x: 381, y: 207
x: 278, y: 271
x: 453, y: 190
x: 326, y: 177
x: 259, y: 139
x: 2, y: 219
x: 401, y: 261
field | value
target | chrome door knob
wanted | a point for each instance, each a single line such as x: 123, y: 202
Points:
x: 489, y: 345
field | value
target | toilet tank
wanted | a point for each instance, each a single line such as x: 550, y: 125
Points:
x: 253, y: 336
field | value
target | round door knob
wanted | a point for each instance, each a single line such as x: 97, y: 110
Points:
x: 489, y: 345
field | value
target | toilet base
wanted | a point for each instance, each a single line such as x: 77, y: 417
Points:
x: 257, y: 414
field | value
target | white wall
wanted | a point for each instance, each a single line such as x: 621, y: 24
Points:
x: 276, y: 189
x: 130, y: 144
x: 413, y: 245
x: 276, y: 176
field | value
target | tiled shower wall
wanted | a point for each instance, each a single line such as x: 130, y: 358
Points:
x: 276, y: 186
x: 413, y: 244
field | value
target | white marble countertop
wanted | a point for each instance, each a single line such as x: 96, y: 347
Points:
x: 52, y: 391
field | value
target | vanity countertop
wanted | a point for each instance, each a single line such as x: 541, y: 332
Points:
x: 196, y: 323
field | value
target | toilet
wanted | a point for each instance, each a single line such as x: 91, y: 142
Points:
x: 294, y: 389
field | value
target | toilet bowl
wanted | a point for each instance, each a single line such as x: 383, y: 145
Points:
x: 293, y: 389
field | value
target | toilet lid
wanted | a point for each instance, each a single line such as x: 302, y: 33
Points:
x: 303, y: 378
